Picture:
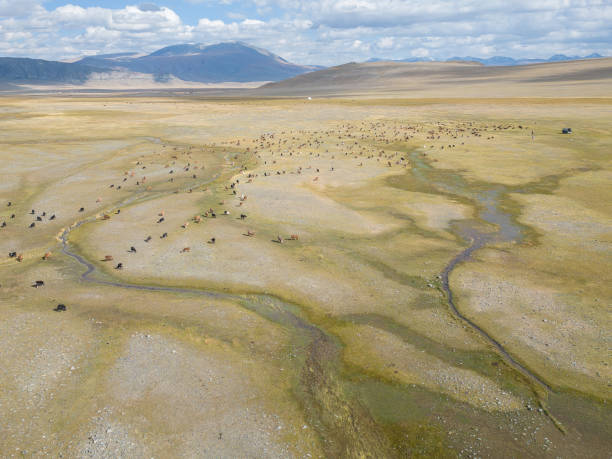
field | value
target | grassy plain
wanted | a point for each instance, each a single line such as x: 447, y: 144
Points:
x: 340, y: 343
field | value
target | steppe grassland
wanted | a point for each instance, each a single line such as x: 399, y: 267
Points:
x: 364, y: 268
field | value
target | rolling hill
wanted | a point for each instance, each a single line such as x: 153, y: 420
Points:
x: 582, y: 78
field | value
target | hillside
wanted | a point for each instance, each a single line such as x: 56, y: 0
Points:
x: 222, y: 62
x: 23, y: 69
x: 584, y: 78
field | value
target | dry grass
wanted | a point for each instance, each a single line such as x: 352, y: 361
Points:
x: 354, y: 303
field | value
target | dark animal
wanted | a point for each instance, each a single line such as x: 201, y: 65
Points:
x: 119, y: 266
x: 32, y: 212
x: 60, y: 308
x: 12, y: 254
x: 3, y: 224
x: 133, y: 249
x: 39, y: 219
x: 163, y: 236
x: 243, y: 216
x: 9, y: 204
x: 12, y: 215
x: 212, y: 240
x: 52, y: 217
x: 32, y: 225
x: 148, y: 239
x: 38, y: 283
x: 161, y: 220
x: 81, y: 209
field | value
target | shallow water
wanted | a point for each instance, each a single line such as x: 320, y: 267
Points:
x: 488, y: 201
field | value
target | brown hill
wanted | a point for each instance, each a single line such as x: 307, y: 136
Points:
x: 584, y: 78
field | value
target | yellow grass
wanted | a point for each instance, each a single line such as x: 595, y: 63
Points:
x: 340, y: 342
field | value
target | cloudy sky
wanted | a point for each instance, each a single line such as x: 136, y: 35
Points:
x: 323, y: 32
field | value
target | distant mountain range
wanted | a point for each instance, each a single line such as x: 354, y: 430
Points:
x: 495, y: 60
x: 223, y: 62
x: 193, y: 64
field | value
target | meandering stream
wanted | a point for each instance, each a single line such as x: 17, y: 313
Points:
x: 490, y: 211
x: 321, y: 349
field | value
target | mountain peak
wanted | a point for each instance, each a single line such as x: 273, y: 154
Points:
x: 233, y: 61
x: 186, y: 49
x: 178, y: 50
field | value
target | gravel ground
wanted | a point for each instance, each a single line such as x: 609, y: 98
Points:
x: 185, y: 403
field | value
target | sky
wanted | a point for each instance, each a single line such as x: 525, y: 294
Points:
x: 323, y: 32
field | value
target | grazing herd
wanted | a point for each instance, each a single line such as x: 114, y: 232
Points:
x: 378, y: 141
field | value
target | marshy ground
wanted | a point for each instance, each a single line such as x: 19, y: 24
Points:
x: 221, y: 335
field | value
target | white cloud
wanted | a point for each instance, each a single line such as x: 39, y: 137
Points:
x: 319, y: 31
x: 419, y: 52
x: 386, y: 43
x: 17, y: 8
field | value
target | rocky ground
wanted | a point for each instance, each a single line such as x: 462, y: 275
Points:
x: 273, y: 284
